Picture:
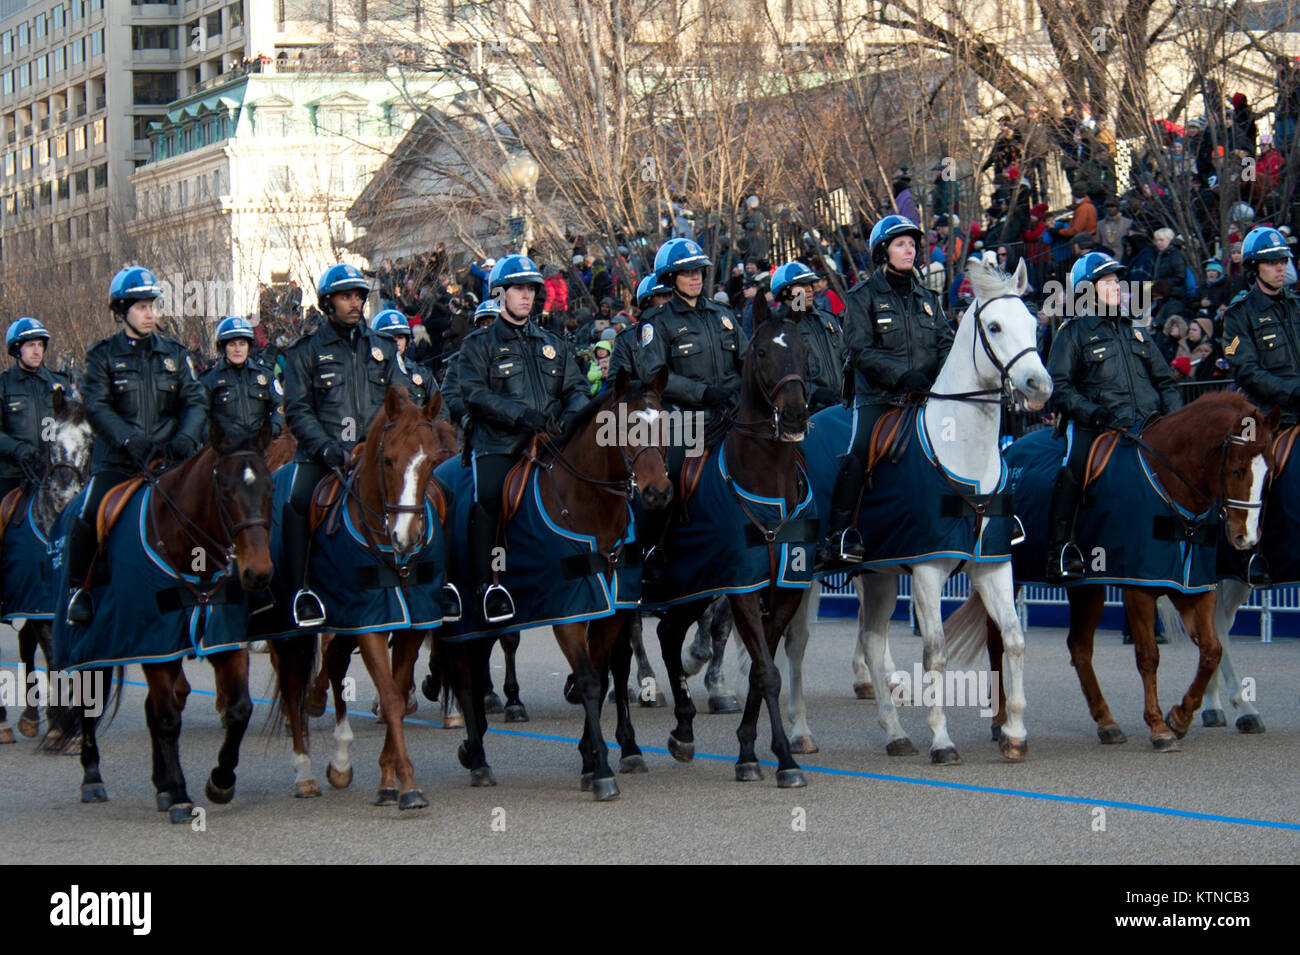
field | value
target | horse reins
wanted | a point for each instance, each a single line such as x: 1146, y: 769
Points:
x: 981, y: 396
x: 769, y: 395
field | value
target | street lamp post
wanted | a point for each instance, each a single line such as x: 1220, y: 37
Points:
x: 520, y: 172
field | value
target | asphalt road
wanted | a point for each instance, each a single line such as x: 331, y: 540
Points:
x: 1225, y: 798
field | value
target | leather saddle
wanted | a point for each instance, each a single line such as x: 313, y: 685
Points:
x: 891, y: 435
x: 692, y: 472
x: 10, y: 508
x: 1099, y: 456
x: 1283, y: 442
x: 516, y: 483
x: 113, y: 504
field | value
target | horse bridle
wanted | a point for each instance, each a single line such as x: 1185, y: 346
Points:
x: 769, y: 395
x: 1003, y: 391
x: 624, y: 487
x: 1231, y: 438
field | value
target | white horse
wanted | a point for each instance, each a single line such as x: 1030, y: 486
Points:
x: 994, y: 348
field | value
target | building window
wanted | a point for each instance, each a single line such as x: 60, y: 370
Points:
x: 41, y: 23
x: 96, y: 5
x: 7, y: 81
x: 153, y: 89
x: 60, y: 60
x: 101, y: 175
x: 25, y: 76
x: 42, y: 67
x: 25, y: 155
x: 79, y: 139
x: 97, y: 131
x: 97, y: 43
x: 235, y: 15
x: 78, y: 9
x: 140, y: 126
x: 24, y: 34
x: 278, y: 180
x: 10, y: 162
x: 78, y: 48
x: 80, y: 182
x: 212, y: 24
x: 184, y: 196
x: 7, y: 42
x: 153, y: 38
x: 60, y: 146
x: 57, y: 21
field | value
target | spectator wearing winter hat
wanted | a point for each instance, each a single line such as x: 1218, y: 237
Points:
x: 1181, y: 368
x: 1213, y: 294
x: 1112, y: 229
x: 1037, y: 254
x: 599, y: 367
x: 1172, y: 333
x: 1084, y: 215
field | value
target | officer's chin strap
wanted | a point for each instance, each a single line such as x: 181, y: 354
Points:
x: 1273, y: 289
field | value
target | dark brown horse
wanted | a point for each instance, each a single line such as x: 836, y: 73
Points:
x: 761, y: 455
x: 219, y: 500
x: 587, y: 483
x: 411, y: 445
x: 1218, y: 448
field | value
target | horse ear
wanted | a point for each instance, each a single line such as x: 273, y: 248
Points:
x: 1022, y: 278
x: 264, y: 437
x: 60, y: 401
x: 620, y: 383
x: 434, y: 407
x: 393, y: 402
x: 761, y: 310
x: 660, y: 381
x: 1274, y: 419
x: 217, y: 437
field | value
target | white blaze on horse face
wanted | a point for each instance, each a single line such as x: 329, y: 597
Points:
x: 249, y: 477
x: 780, y: 340
x: 1258, y: 471
x: 411, y: 489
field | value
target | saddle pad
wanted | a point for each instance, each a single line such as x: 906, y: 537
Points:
x: 28, y: 578
x: 144, y: 613
x: 1126, y: 528
x: 8, y: 508
x: 554, y: 574
x: 114, y: 503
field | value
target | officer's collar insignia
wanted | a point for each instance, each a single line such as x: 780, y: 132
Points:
x: 279, y: 388
x: 548, y: 351
x: 325, y: 357
x: 1137, y: 333
x: 377, y: 353
x: 928, y: 309
x: 1232, y: 346
x: 261, y: 379
x: 726, y: 323
x: 418, y: 379
x: 169, y: 364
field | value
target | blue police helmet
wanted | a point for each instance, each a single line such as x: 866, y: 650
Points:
x: 490, y: 308
x: 649, y: 287
x: 887, y: 230
x: 133, y: 283
x: 390, y: 323
x: 515, y: 270
x: 1090, y: 267
x: 679, y: 255
x: 232, y: 327
x: 1264, y: 244
x: 25, y: 330
x: 339, y: 278
x: 792, y: 273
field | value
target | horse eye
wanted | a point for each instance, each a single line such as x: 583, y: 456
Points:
x: 1238, y: 472
x: 995, y: 328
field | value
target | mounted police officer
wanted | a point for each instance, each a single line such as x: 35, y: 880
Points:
x: 418, y: 380
x: 142, y: 399
x: 335, y: 382
x: 453, y: 403
x: 1261, y: 328
x: 821, y: 333
x: 1105, y: 374
x: 27, y: 393
x: 242, y: 393
x: 650, y: 293
x: 898, y: 339
x: 702, y: 346
x: 516, y: 379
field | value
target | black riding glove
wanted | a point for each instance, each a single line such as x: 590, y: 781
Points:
x: 824, y: 397
x: 715, y: 397
x: 333, y: 455
x: 28, y: 457
x: 533, y: 420
x: 138, y: 447
x: 180, y: 447
x: 1103, y: 418
x: 914, y: 381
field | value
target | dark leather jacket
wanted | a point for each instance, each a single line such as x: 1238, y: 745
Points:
x: 1104, y: 362
x: 418, y: 380
x: 889, y: 334
x: 241, y: 397
x: 143, y: 386
x: 506, y: 369
x: 335, y: 382
x: 26, y: 401
x: 823, y: 339
x: 700, y: 346
x: 1261, y: 340
x: 626, y: 353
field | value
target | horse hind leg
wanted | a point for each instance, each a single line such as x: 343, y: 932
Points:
x: 514, y: 708
x: 164, y: 720
x: 1140, y: 607
x: 878, y: 594
x: 292, y: 658
x: 796, y: 642
x: 671, y: 633
x: 589, y: 675
x: 1087, y: 604
x: 338, y: 771
x: 29, y: 722
x: 1198, y: 612
x: 631, y: 759
x: 700, y: 651
x: 231, y: 670
x: 395, y: 769
x: 997, y: 593
x: 721, y: 698
x: 92, y: 783
x: 1232, y: 594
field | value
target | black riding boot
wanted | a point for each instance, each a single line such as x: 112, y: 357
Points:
x: 842, y: 544
x: 654, y: 559
x: 308, y: 610
x: 495, y: 602
x: 82, y: 543
x: 1064, y: 561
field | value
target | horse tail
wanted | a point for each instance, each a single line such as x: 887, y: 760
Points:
x: 65, y: 721
x: 1172, y: 621
x: 298, y: 656
x: 966, y: 633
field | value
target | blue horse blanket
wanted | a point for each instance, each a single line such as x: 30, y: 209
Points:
x: 143, y: 612
x: 29, y: 583
x: 554, y: 575
x: 718, y: 550
x: 1126, y: 529
x: 362, y: 591
x: 910, y: 512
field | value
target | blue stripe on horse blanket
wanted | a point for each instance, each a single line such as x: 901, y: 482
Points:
x: 334, y: 565
x: 29, y: 583
x: 901, y: 519
x: 1115, y: 527
x: 536, y: 546
x: 711, y: 551
x: 129, y: 627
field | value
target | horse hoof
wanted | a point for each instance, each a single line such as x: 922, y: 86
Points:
x: 482, y: 777
x: 453, y: 721
x: 1166, y: 744
x: 7, y: 734
x: 27, y: 725
x: 864, y: 691
x: 163, y: 801
x: 1180, y: 729
x: 656, y: 701
x: 306, y: 789
x: 315, y: 708
x: 411, y: 704
x: 1013, y: 750
x: 724, y: 704
x: 492, y: 703
x: 52, y: 743
x: 180, y: 813
x: 515, y: 713
x: 790, y: 779
x: 948, y: 756
x: 217, y: 794
x: 604, y: 789
x: 900, y: 747
x: 748, y: 772
x: 632, y: 764
x: 995, y: 732
x: 584, y: 782
x: 93, y: 792
x: 412, y: 799
x: 386, y: 797
x: 571, y: 694
x: 803, y: 745
x: 72, y: 746
x: 1250, y: 723
x: 682, y: 752
x: 338, y: 778
x: 1111, y: 734
x: 462, y: 754
x: 1213, y: 718
x: 429, y: 687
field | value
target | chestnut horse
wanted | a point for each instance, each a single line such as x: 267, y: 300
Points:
x: 219, y: 500
x: 1218, y: 448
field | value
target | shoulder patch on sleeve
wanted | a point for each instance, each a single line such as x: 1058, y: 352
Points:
x: 190, y: 362
x: 1239, y: 296
x: 279, y: 388
x: 1231, y: 347
x: 647, y: 334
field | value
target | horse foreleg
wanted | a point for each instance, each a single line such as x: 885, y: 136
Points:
x: 877, y: 596
x: 700, y: 651
x: 338, y: 771
x: 319, y: 691
x: 292, y: 658
x: 1198, y: 612
x: 644, y: 671
x: 1232, y: 594
x: 394, y: 765
x: 997, y: 591
x: 514, y: 707
x: 863, y: 687
x: 1086, y: 606
x: 672, y: 632
x: 993, y: 644
x: 796, y: 642
x: 231, y: 671
x: 927, y: 589
x: 29, y: 722
x: 1140, y: 605
x: 163, y: 717
x: 92, y: 783
x: 459, y: 664
x: 760, y: 638
x: 721, y: 699
x: 589, y: 681
x: 631, y: 759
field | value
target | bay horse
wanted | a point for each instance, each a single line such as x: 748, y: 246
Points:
x: 67, y: 455
x: 217, y: 501
x: 411, y: 444
x: 760, y: 454
x: 587, y: 483
x: 993, y: 353
x: 1218, y: 448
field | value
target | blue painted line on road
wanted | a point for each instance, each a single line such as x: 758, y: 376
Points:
x: 880, y: 777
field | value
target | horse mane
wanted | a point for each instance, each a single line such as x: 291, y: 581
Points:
x: 1213, y: 414
x: 635, y: 392
x: 989, y: 281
